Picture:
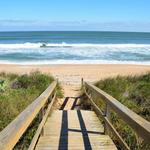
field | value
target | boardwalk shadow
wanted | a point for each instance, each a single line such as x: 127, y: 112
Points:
x: 74, y: 105
x: 86, y: 140
x: 64, y: 103
x: 75, y: 102
x: 63, y: 141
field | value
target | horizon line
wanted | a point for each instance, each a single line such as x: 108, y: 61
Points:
x: 74, y: 31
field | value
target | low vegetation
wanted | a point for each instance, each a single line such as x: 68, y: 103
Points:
x: 133, y: 92
x: 16, y: 93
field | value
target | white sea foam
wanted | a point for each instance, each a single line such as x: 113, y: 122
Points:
x: 65, y: 53
x: 65, y: 45
x: 45, y: 62
x: 77, y: 50
x: 18, y: 46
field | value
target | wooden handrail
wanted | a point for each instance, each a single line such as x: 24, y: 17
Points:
x: 13, y: 132
x: 40, y: 127
x: 108, y: 123
x: 136, y: 122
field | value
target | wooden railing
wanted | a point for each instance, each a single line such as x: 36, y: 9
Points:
x: 39, y: 107
x: 140, y: 125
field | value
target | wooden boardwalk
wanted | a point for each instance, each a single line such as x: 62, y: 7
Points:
x: 74, y: 130
x: 64, y: 126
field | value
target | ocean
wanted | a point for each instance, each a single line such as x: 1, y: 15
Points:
x: 67, y: 47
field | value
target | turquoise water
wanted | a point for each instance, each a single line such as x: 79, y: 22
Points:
x: 74, y: 47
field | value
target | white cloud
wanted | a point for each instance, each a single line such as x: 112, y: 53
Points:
x: 18, y: 24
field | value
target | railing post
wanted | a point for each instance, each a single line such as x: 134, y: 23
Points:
x: 91, y: 106
x: 41, y: 115
x: 82, y: 82
x: 108, y: 115
x: 49, y: 98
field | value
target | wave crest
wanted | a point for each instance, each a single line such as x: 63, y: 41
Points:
x: 62, y: 45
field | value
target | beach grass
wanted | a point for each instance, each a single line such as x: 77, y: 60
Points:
x: 133, y: 92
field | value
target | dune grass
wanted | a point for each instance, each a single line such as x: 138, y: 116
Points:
x: 133, y: 92
x: 16, y: 93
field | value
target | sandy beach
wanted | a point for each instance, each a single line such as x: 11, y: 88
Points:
x: 71, y: 74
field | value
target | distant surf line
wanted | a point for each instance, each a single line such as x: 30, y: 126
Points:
x: 68, y: 45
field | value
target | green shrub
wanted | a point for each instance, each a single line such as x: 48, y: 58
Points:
x: 15, y: 100
x: 133, y: 92
x: 24, y: 81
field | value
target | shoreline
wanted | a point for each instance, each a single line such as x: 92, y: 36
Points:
x: 37, y: 63
x: 74, y: 64
x: 71, y: 74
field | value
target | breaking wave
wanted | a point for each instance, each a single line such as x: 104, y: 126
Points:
x: 84, y: 45
x: 63, y: 53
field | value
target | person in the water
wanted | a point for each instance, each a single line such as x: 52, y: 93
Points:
x: 43, y: 45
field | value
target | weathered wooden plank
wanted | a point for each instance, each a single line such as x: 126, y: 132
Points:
x: 12, y: 133
x: 92, y: 122
x: 53, y: 125
x: 74, y: 133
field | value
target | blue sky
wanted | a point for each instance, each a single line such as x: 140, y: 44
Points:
x: 101, y: 15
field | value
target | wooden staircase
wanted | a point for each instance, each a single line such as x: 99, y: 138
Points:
x: 74, y: 130
x: 69, y: 128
